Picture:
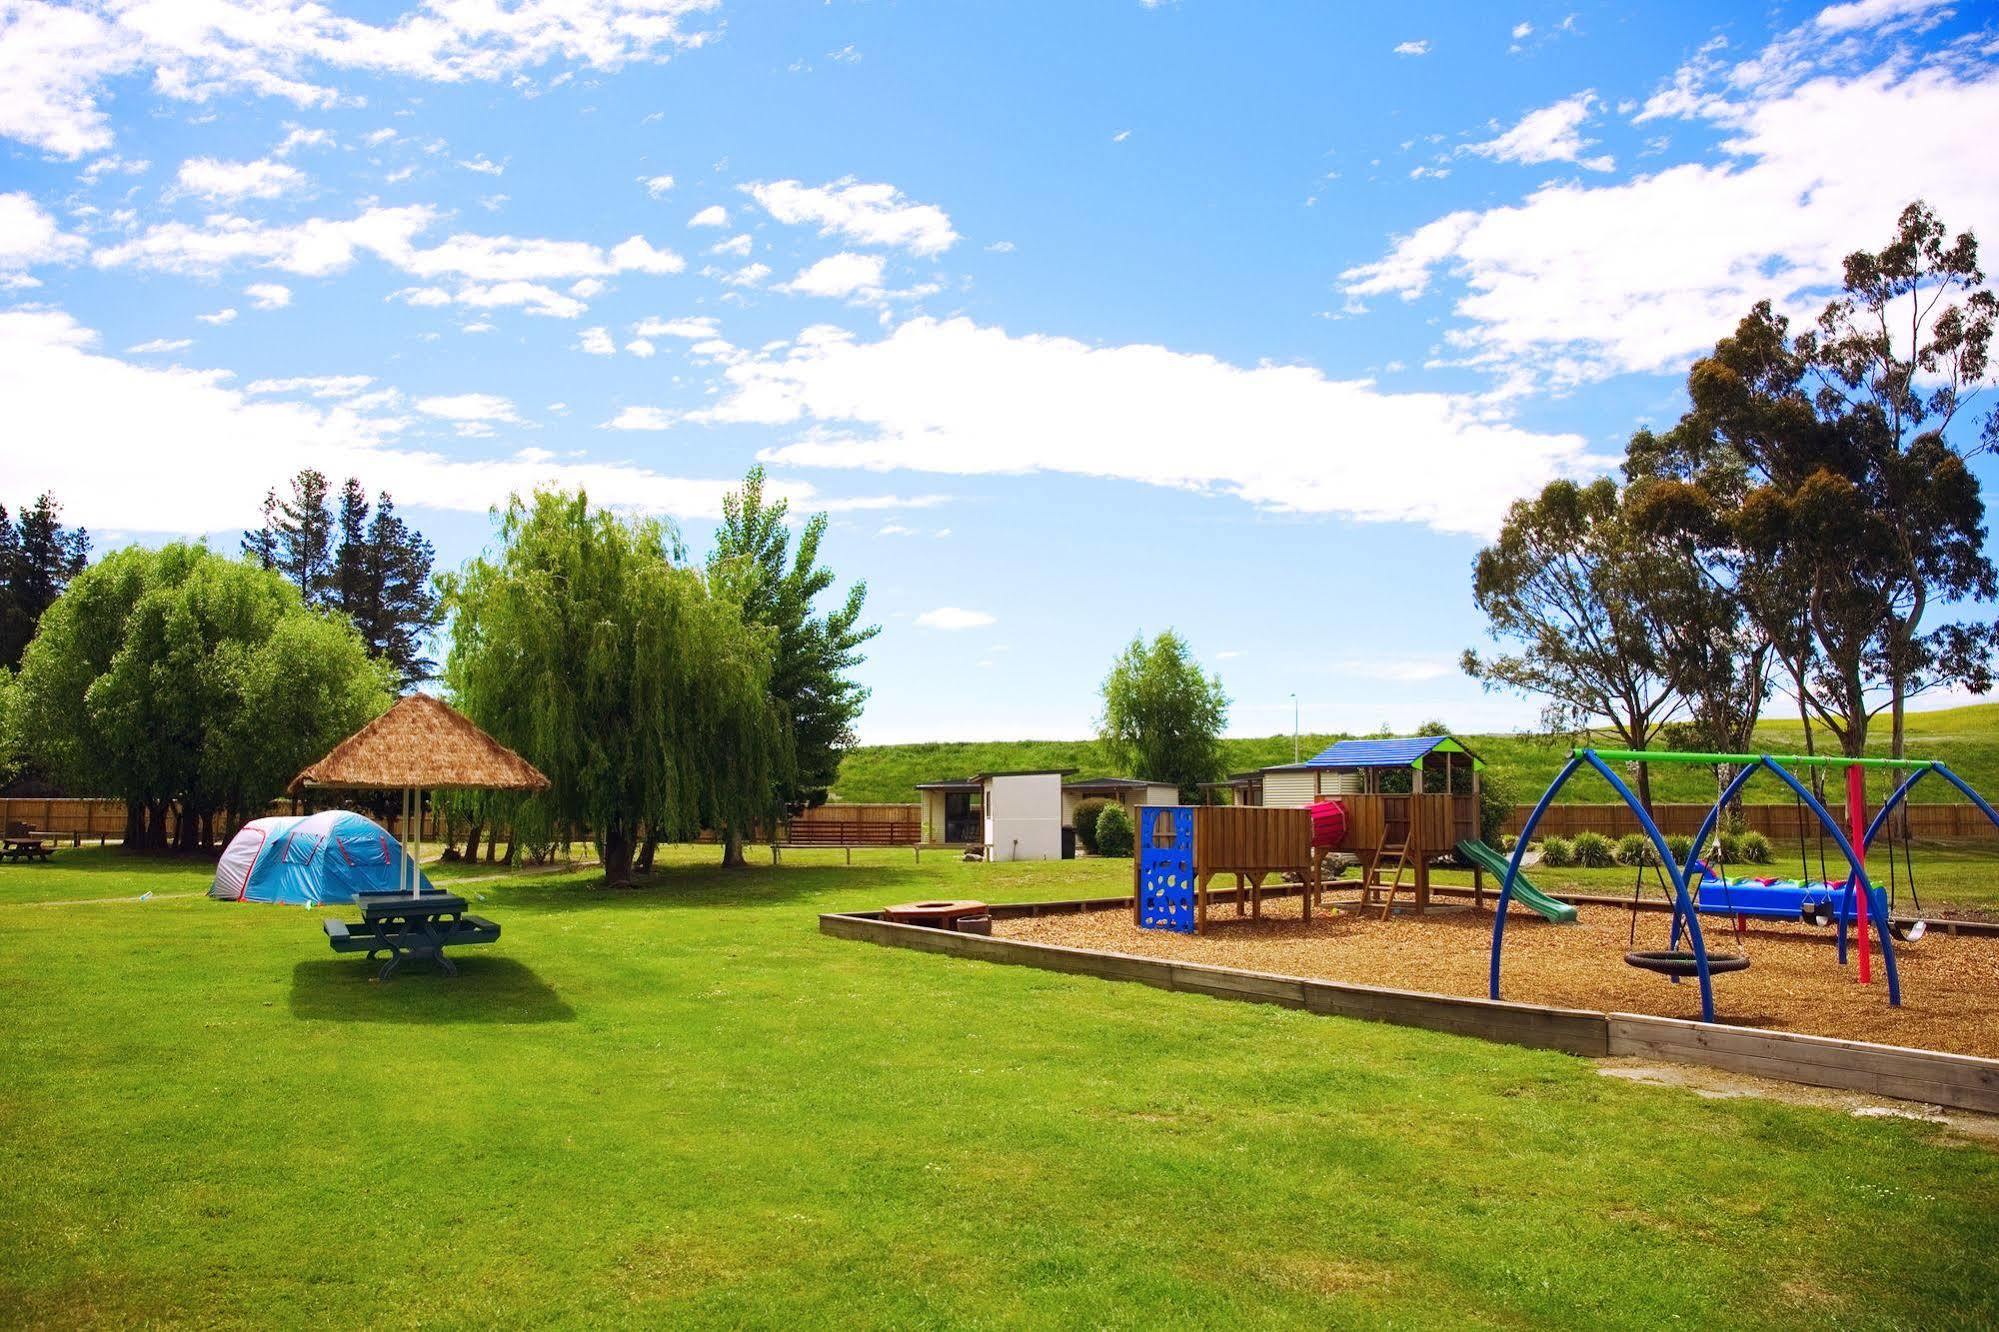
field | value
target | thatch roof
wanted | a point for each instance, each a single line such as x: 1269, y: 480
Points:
x: 423, y: 744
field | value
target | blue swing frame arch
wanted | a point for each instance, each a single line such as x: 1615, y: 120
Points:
x: 1880, y: 821
x: 1683, y: 907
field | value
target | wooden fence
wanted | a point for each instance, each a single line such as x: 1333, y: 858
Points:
x: 1777, y: 822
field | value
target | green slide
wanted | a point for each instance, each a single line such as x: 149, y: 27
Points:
x: 1525, y: 893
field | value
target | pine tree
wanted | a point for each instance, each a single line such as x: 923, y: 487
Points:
x: 397, y: 606
x: 753, y: 560
x: 297, y: 537
x: 38, y: 557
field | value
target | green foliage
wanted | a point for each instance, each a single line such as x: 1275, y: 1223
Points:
x: 644, y: 697
x: 1114, y: 833
x: 1634, y: 849
x: 1679, y: 844
x: 1085, y: 822
x: 1753, y: 848
x: 1162, y: 717
x: 177, y: 676
x: 811, y: 678
x: 1497, y: 795
x: 1593, y: 850
x: 38, y: 557
x: 1558, y: 853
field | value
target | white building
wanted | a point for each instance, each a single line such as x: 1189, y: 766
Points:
x: 1131, y: 792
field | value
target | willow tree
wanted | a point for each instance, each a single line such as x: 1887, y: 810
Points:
x: 586, y: 644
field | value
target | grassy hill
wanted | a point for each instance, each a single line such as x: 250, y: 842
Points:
x: 1965, y: 738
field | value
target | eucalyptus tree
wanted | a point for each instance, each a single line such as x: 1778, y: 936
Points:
x: 1568, y: 584
x: 586, y: 643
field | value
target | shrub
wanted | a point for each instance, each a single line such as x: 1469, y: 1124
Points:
x: 1506, y: 843
x: 1754, y: 848
x: 1636, y: 849
x: 1558, y: 853
x: 1087, y: 813
x: 1496, y: 800
x: 1679, y: 844
x: 1595, y: 851
x: 1114, y: 833
x: 1728, y: 846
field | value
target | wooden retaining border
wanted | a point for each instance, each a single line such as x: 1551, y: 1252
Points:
x: 1963, y: 1082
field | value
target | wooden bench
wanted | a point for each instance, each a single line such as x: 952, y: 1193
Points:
x: 410, y: 927
x: 848, y: 834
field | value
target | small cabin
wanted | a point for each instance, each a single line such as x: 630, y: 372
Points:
x: 1014, y: 815
x: 1131, y: 792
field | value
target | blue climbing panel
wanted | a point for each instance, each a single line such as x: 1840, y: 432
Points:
x: 1166, y: 868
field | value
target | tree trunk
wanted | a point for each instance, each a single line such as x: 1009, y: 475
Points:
x: 616, y: 850
x: 732, y: 849
x: 646, y: 851
x: 472, y: 841
x: 135, y: 826
x: 1645, y: 786
x: 492, y: 844
x: 508, y: 858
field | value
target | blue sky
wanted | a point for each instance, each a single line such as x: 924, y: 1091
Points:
x: 1080, y: 319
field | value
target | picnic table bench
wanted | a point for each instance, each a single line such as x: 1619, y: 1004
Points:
x: 24, y: 843
x: 410, y: 926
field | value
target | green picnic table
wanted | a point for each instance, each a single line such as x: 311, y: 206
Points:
x: 410, y: 926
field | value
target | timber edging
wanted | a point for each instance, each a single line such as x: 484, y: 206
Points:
x: 1932, y: 1077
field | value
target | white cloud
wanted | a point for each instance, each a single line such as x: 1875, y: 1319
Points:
x: 480, y: 408
x: 222, y: 316
x: 837, y: 275
x: 597, y: 341
x: 694, y: 330
x: 845, y: 55
x: 1522, y: 30
x: 484, y: 166
x: 1120, y: 136
x: 951, y: 396
x: 131, y: 424
x: 160, y: 345
x: 953, y: 619
x: 268, y: 295
x: 1000, y: 247
x: 114, y: 164
x: 1428, y: 173
x: 1413, y: 48
x: 641, y: 418
x: 737, y: 246
x: 1872, y: 13
x: 317, y: 386
x: 376, y: 138
x: 714, y: 215
x: 641, y: 348
x: 1402, y: 670
x: 749, y: 275
x: 29, y: 235
x: 320, y: 246
x: 866, y: 214
x: 56, y: 59
x: 657, y: 186
x: 895, y: 530
x: 1578, y: 281
x: 300, y: 137
x: 224, y: 182
x: 1551, y: 134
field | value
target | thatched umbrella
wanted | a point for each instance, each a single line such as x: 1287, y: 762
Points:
x: 421, y: 744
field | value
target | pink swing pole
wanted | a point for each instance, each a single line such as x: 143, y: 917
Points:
x: 1856, y: 817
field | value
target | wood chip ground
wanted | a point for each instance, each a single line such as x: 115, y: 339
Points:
x: 1950, y: 986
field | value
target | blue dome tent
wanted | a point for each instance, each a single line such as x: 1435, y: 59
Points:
x: 316, y: 858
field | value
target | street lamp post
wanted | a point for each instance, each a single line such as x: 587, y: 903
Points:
x: 1294, y: 728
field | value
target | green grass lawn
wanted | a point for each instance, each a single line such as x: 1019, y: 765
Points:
x: 682, y: 1104
x: 1966, y: 738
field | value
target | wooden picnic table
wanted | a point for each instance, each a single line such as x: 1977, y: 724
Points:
x: 25, y: 845
x: 410, y: 926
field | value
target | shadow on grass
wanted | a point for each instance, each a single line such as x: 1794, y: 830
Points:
x: 486, y: 990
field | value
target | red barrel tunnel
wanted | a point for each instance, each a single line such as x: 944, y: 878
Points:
x: 1329, y: 825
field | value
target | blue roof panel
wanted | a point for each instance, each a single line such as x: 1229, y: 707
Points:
x: 1399, y: 752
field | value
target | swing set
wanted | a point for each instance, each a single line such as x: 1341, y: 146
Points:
x: 1857, y: 897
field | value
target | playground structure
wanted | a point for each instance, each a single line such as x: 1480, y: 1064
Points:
x: 1858, y: 897
x: 1180, y: 848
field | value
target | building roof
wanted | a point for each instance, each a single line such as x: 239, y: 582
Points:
x: 1111, y: 784
x: 956, y: 784
x: 424, y: 744
x: 1024, y: 772
x: 1392, y: 752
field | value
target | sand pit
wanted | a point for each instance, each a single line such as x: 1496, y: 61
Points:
x: 1950, y: 986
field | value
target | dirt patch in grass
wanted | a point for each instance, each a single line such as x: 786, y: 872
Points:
x: 1950, y: 986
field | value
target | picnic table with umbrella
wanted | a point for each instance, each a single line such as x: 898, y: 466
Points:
x: 422, y: 744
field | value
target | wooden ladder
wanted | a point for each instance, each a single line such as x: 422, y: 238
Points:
x: 1400, y: 854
